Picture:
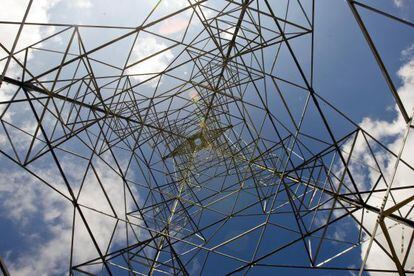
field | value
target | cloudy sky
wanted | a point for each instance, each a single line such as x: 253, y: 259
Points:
x: 36, y: 224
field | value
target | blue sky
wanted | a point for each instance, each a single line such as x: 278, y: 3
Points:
x: 35, y: 222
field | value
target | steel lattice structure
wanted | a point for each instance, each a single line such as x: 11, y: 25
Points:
x: 220, y: 158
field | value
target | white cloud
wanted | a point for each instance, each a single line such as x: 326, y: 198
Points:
x: 144, y: 47
x: 30, y: 34
x: 173, y: 25
x: 24, y: 199
x: 174, y: 4
x: 399, y: 3
x: 391, y: 133
x: 408, y: 52
x: 83, y: 3
x: 228, y: 34
x: 15, y: 12
x: 20, y: 196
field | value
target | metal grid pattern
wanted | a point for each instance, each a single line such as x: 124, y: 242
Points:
x: 222, y: 158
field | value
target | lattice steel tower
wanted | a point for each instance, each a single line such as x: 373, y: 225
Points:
x: 220, y: 157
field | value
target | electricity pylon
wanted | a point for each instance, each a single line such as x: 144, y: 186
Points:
x: 223, y: 157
